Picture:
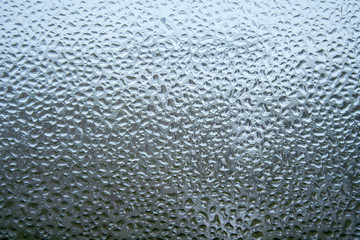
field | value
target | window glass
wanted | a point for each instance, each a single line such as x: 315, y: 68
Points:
x: 179, y: 119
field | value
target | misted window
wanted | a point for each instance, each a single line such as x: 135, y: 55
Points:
x: 179, y: 119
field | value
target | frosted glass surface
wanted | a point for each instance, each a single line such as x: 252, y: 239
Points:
x: 179, y: 119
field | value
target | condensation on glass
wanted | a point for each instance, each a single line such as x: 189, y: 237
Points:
x: 179, y: 119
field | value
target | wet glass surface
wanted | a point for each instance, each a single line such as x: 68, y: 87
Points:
x: 179, y: 120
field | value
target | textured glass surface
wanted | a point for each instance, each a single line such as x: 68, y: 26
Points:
x: 179, y: 119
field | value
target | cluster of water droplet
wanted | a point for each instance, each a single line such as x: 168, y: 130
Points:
x: 173, y: 119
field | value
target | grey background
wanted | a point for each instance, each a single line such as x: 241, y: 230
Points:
x: 179, y: 119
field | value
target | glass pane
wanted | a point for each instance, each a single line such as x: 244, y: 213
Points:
x: 179, y: 119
